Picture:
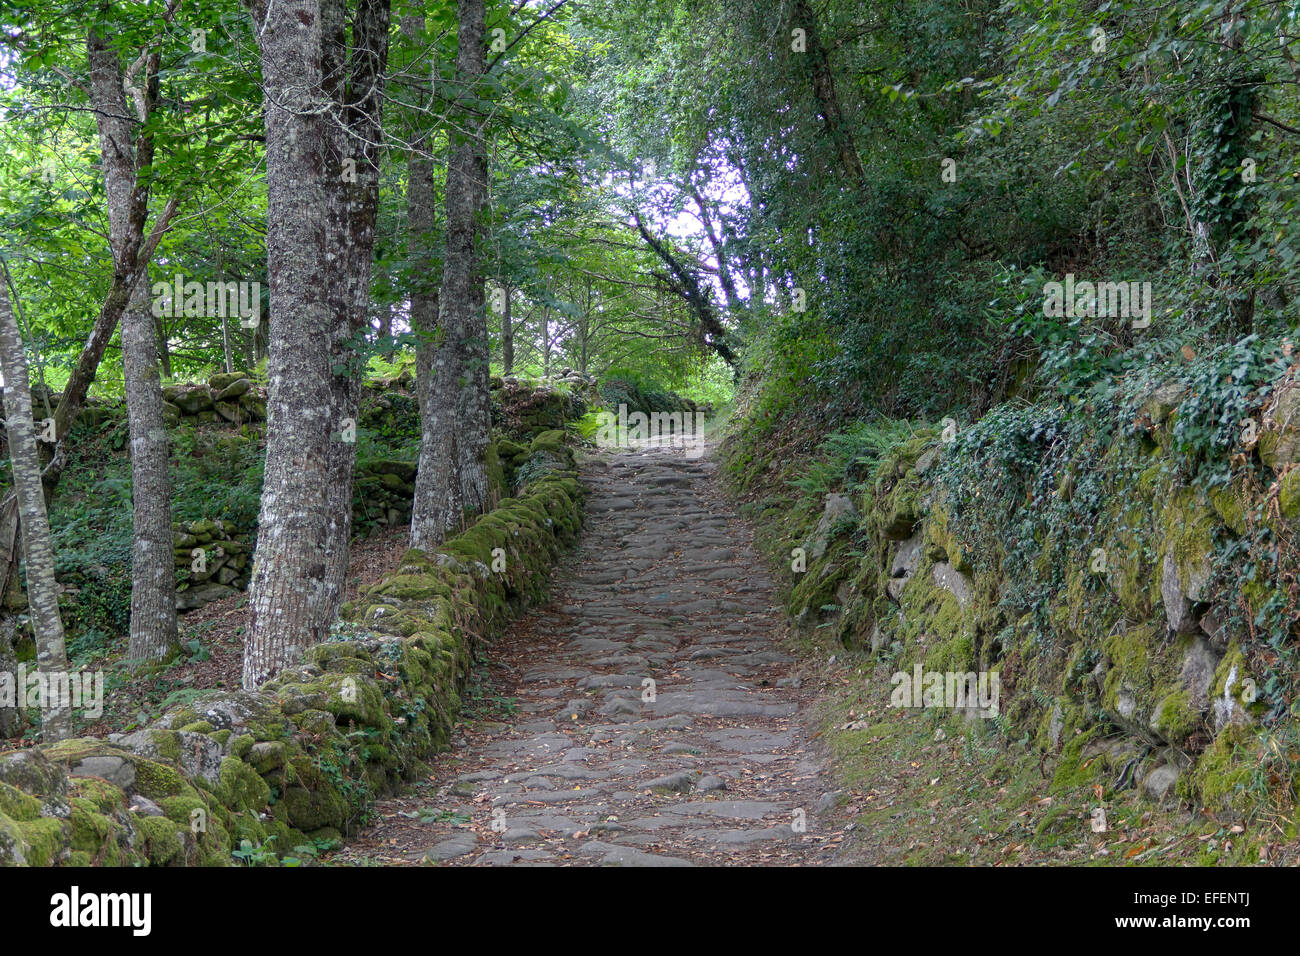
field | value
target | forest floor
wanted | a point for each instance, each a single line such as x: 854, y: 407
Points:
x: 213, y: 640
x: 757, y: 746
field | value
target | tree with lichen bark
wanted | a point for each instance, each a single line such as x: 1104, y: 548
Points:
x: 42, y: 589
x: 125, y: 156
x: 153, y: 577
x: 453, y: 359
x: 323, y: 87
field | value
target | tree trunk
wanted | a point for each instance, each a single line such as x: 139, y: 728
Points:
x: 164, y: 350
x: 153, y: 575
x: 301, y: 157
x: 42, y: 589
x: 124, y: 158
x: 354, y: 219
x: 436, y: 509
x: 11, y: 720
x: 462, y: 309
x: 823, y: 90
x: 228, y: 358
x: 386, y: 329
x: 507, y: 334
x: 546, y: 341
x: 321, y: 125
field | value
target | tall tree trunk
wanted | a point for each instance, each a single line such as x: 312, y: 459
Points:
x: 11, y: 722
x: 321, y: 124
x: 164, y: 349
x: 355, y: 218
x: 227, y: 357
x: 462, y: 309
x: 436, y: 509
x: 546, y: 341
x: 126, y: 158
x: 302, y: 159
x: 126, y: 152
x: 153, y: 575
x: 386, y: 329
x: 507, y: 334
x: 825, y: 95
x: 42, y: 589
x: 584, y: 329
x: 584, y: 332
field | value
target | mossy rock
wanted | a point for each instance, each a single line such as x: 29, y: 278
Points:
x: 96, y: 833
x: 104, y: 796
x: 17, y: 805
x: 1223, y: 778
x: 44, y: 841
x: 1175, y: 719
x: 164, y: 840
x: 240, y: 787
x: 157, y: 780
x: 1230, y: 505
x: 223, y: 380
x: 1076, y: 769
x: 34, y: 771
x: 1288, y: 495
x: 904, y: 512
x: 313, y: 809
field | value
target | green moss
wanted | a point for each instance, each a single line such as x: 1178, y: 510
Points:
x: 816, y: 587
x: 92, y: 832
x: 1288, y: 495
x: 168, y: 742
x: 44, y: 840
x: 313, y: 809
x: 1229, y: 506
x: 1187, y: 526
x: 934, y: 621
x: 17, y: 805
x: 904, y: 511
x: 1136, y: 665
x: 1074, y: 770
x: 1175, y: 719
x: 1222, y: 778
x: 552, y: 441
x: 181, y: 810
x: 1060, y: 826
x: 155, y: 780
x: 104, y: 796
x: 956, y: 654
x: 164, y: 840
x: 412, y: 587
x: 246, y: 826
x: 239, y: 786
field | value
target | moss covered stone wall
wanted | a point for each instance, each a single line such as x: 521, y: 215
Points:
x: 1110, y: 595
x: 292, y: 766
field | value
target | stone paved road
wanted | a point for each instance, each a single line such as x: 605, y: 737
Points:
x: 716, y: 769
